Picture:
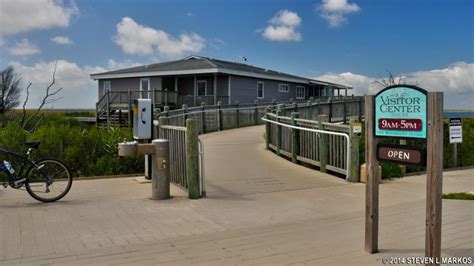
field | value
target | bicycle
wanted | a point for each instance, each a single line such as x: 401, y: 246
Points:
x: 46, y: 180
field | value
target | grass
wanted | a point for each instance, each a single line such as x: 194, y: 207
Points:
x: 458, y: 196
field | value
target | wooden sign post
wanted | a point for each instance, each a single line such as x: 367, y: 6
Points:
x: 405, y: 111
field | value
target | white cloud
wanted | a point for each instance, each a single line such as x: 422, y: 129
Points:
x: 282, y: 27
x: 79, y: 91
x: 23, y: 48
x: 25, y: 15
x: 114, y: 65
x: 61, y: 40
x: 456, y: 81
x: 141, y: 40
x: 335, y: 11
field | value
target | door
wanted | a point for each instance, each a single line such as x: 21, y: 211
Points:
x: 145, y: 88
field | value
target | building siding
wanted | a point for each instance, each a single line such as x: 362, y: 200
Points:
x: 244, y: 90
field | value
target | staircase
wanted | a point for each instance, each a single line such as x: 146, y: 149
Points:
x: 117, y: 117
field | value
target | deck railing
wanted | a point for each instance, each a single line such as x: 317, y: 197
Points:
x: 218, y: 117
x: 329, y: 146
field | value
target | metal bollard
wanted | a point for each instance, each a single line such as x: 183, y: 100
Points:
x: 161, y: 171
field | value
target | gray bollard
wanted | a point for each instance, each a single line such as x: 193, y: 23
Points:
x: 161, y: 171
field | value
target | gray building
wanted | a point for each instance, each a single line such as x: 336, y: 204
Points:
x: 196, y: 79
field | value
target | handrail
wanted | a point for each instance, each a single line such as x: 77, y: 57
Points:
x: 348, y: 153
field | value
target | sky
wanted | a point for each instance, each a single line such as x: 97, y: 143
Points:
x: 429, y: 43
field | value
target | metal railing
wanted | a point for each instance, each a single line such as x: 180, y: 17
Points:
x: 316, y: 144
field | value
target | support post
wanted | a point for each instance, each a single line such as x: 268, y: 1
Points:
x: 237, y: 114
x: 161, y: 170
x: 108, y: 107
x: 360, y: 109
x: 344, y: 109
x: 192, y: 159
x: 330, y: 110
x: 279, y: 112
x: 163, y: 121
x: 203, y: 117
x: 372, y: 182
x: 354, y: 164
x: 97, y: 114
x: 295, y: 139
x: 219, y: 116
x: 295, y: 106
x: 434, y: 173
x: 268, y: 129
x: 153, y: 95
x: 255, y: 114
x: 323, y: 144
x: 130, y: 110
x: 185, y: 113
x: 309, y: 110
x: 455, y: 154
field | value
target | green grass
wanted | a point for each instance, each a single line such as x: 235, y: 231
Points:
x: 458, y: 196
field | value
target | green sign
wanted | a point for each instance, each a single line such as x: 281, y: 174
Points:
x: 400, y: 111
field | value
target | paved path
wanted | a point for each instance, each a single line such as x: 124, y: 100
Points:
x: 273, y: 212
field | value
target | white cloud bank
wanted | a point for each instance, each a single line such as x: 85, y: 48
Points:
x: 335, y: 11
x: 283, y: 27
x: 456, y: 81
x: 79, y: 91
x: 137, y: 39
x: 25, y: 15
x: 23, y: 48
x: 62, y: 40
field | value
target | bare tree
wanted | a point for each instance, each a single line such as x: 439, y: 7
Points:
x: 48, y: 98
x: 390, y: 80
x: 10, y: 89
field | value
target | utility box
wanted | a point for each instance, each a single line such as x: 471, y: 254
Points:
x: 142, y: 118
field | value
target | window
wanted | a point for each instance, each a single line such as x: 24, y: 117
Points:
x: 283, y: 88
x: 201, y: 87
x: 145, y: 86
x: 260, y: 90
x: 300, y: 92
x: 106, y: 86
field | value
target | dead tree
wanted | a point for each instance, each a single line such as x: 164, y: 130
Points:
x: 47, y: 99
x: 10, y: 89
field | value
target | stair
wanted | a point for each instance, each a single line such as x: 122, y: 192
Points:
x: 117, y: 118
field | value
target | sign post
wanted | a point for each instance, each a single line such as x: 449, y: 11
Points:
x: 455, y: 136
x: 405, y: 111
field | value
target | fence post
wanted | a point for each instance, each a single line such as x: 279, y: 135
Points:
x: 192, y: 159
x: 354, y: 164
x: 163, y: 121
x: 130, y: 115
x: 219, y: 116
x: 309, y: 115
x: 268, y: 128
x: 279, y: 112
x: 344, y: 109
x: 330, y: 110
x: 295, y: 139
x: 295, y: 106
x: 360, y: 109
x: 256, y: 112
x: 237, y: 114
x: 203, y: 117
x: 185, y: 113
x: 323, y: 144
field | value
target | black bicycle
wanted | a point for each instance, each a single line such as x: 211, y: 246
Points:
x: 46, y: 180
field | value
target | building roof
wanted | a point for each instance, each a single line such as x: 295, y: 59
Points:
x: 202, y: 65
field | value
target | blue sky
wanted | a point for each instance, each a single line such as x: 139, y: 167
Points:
x: 354, y: 42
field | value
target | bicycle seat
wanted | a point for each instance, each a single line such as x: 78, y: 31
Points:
x: 32, y: 144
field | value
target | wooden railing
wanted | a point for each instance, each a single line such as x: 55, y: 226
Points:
x: 218, y: 117
x: 329, y: 146
x: 185, y: 169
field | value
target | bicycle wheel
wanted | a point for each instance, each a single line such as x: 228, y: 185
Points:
x: 49, y: 181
